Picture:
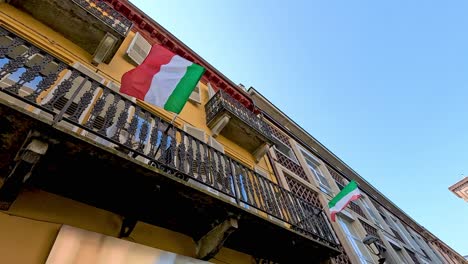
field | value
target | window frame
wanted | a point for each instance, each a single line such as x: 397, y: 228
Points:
x: 291, y: 155
x: 371, y: 213
x: 353, y: 239
x: 314, y: 166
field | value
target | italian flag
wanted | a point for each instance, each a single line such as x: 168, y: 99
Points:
x: 342, y: 199
x: 164, y: 79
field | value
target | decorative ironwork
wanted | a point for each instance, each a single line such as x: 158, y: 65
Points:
x: 291, y: 165
x: 303, y: 191
x: 107, y: 14
x: 279, y: 135
x: 46, y: 83
x: 222, y: 101
x: 124, y: 125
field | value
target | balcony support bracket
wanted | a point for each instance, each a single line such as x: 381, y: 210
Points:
x: 220, y: 124
x: 261, y: 151
x: 24, y: 162
x: 128, y: 224
x: 210, y: 244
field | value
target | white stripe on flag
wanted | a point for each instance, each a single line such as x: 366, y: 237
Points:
x: 342, y: 202
x: 165, y: 81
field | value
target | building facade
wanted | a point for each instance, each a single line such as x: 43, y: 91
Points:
x: 88, y: 175
x: 309, y: 168
x: 460, y: 189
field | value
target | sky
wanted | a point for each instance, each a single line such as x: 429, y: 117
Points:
x: 382, y: 84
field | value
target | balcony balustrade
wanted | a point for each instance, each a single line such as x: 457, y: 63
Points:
x: 64, y: 97
x: 91, y: 24
x: 228, y: 117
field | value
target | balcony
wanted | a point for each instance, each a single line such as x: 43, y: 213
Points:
x: 84, y: 141
x: 228, y: 117
x: 91, y: 24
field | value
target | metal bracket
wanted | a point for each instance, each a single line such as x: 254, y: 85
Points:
x: 26, y: 159
x: 210, y: 244
x: 128, y: 224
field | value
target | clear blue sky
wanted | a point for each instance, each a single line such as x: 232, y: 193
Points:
x: 382, y: 84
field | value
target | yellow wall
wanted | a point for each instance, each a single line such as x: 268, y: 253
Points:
x: 35, y: 218
x: 51, y: 41
x: 28, y: 230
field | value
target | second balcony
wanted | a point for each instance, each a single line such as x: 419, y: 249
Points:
x: 226, y: 116
x: 93, y: 25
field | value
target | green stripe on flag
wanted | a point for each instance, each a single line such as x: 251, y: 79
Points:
x: 346, y: 190
x: 184, y: 88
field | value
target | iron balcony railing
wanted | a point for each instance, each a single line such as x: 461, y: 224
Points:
x: 222, y: 101
x: 107, y: 14
x: 44, y: 83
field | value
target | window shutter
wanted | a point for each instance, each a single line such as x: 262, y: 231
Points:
x: 90, y: 73
x: 195, y: 95
x: 138, y: 49
x: 211, y: 91
x: 215, y: 144
x: 322, y: 179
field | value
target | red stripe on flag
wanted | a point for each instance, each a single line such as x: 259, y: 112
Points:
x: 137, y: 82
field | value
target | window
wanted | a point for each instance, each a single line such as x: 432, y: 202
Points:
x: 416, y: 242
x: 361, y: 250
x: 371, y: 212
x: 405, y: 234
x: 138, y: 49
x: 340, y: 186
x: 399, y: 253
x: 285, y: 150
x: 314, y: 168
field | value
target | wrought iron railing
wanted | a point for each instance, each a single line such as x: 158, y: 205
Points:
x: 107, y: 14
x: 69, y: 96
x: 222, y: 101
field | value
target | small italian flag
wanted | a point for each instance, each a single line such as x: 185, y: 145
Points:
x: 342, y: 199
x: 164, y: 79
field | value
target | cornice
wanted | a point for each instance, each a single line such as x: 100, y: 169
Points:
x: 460, y: 184
x: 156, y: 33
